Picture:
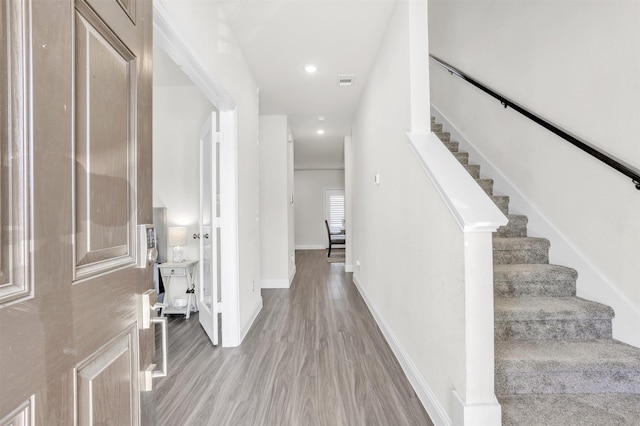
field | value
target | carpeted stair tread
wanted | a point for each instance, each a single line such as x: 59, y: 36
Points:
x: 566, y: 366
x: 528, y: 272
x: 519, y: 318
x: 436, y: 127
x: 520, y: 250
x: 519, y: 243
x: 559, y: 355
x: 534, y: 280
x: 570, y: 409
x: 546, y: 308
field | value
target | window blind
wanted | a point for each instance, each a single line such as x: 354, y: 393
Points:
x: 336, y: 211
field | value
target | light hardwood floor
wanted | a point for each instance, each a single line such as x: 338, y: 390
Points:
x: 314, y: 356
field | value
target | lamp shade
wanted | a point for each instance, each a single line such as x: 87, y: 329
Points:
x: 177, y: 236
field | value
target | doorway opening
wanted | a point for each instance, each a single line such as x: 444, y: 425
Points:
x: 185, y: 97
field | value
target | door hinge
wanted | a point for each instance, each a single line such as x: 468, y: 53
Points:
x: 219, y: 137
x: 218, y: 222
x: 219, y: 307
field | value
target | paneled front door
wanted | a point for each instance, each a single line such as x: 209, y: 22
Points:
x: 75, y: 181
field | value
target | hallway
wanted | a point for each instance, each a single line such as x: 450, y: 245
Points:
x: 314, y: 356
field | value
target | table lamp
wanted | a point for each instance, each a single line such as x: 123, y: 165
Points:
x: 178, y: 239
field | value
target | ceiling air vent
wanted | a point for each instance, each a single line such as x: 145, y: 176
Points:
x: 346, y: 80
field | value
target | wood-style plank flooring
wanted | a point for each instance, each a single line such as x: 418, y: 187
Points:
x: 314, y: 356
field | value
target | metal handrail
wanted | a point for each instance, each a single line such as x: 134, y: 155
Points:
x: 590, y: 149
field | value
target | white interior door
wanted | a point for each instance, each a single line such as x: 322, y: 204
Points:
x: 209, y: 229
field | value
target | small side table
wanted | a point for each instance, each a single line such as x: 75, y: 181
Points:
x: 185, y: 269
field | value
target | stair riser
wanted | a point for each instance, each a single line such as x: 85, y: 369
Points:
x: 512, y: 230
x: 580, y: 381
x: 436, y: 127
x: 502, y: 202
x: 452, y: 146
x: 486, y: 185
x: 516, y: 227
x: 553, y: 329
x: 462, y: 157
x: 558, y: 288
x: 443, y: 136
x: 510, y: 257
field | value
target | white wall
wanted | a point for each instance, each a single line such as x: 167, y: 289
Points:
x: 276, y: 166
x: 178, y: 114
x: 309, y: 205
x: 407, y: 241
x: 203, y: 26
x: 577, y: 64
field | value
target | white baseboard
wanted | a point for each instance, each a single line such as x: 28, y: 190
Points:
x: 311, y: 247
x: 592, y: 283
x: 246, y: 327
x: 276, y: 283
x: 475, y: 414
x: 434, y: 408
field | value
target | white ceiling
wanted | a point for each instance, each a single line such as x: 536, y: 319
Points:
x: 279, y: 37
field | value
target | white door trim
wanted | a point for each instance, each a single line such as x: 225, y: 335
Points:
x: 169, y: 37
x: 230, y: 289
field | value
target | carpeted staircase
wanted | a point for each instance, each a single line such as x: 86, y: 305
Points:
x: 556, y: 362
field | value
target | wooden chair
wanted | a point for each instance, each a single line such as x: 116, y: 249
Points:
x: 334, y: 238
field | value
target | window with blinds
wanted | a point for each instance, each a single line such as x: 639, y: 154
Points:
x: 335, y: 209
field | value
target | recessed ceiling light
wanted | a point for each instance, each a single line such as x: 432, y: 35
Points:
x: 321, y: 118
x: 320, y: 132
x: 310, y: 68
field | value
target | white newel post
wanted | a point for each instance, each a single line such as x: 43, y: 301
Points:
x: 477, y: 404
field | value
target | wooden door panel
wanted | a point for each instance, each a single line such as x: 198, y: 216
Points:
x: 105, y: 148
x: 106, y: 385
x: 120, y: 15
x: 129, y: 7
